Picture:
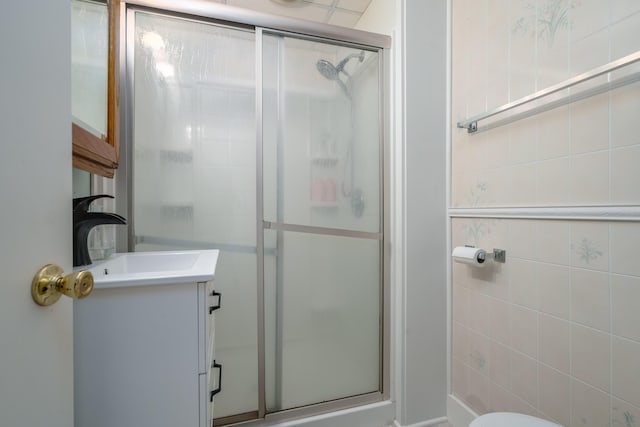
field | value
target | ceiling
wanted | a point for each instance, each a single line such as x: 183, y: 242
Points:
x: 344, y: 13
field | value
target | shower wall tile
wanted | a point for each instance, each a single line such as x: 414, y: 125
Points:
x: 555, y: 290
x: 478, y: 313
x: 624, y: 36
x: 553, y: 242
x: 589, y: 407
x: 497, y: 53
x: 624, y: 241
x: 523, y: 277
x: 459, y: 378
x: 588, y: 17
x: 477, y: 391
x: 589, y: 53
x: 500, y: 399
x: 524, y: 378
x: 460, y: 343
x: 625, y: 110
x: 522, y: 48
x: 590, y: 245
x: 494, y: 143
x: 590, y: 303
x: 499, y: 321
x: 477, y: 57
x: 500, y: 365
x: 523, y: 141
x: 626, y: 375
x: 554, y: 345
x: 479, y: 349
x: 623, y: 413
x: 522, y: 184
x: 553, y: 184
x: 625, y: 294
x: 590, y: 179
x: 554, y: 133
x: 591, y: 356
x: 625, y: 175
x: 622, y: 9
x: 560, y: 339
x: 524, y: 330
x: 521, y: 235
x: 522, y: 407
x: 590, y: 124
x: 555, y: 395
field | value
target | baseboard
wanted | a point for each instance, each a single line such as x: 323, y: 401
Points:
x: 459, y: 414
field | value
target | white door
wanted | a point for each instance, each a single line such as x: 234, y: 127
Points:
x: 36, y: 347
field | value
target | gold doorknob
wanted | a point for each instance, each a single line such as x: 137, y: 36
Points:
x: 50, y: 282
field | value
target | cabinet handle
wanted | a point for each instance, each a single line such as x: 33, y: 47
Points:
x: 217, y: 306
x: 219, y: 388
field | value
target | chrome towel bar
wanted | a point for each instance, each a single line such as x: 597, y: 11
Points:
x: 471, y: 124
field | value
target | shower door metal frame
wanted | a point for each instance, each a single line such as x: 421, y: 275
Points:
x: 381, y: 236
x: 227, y: 16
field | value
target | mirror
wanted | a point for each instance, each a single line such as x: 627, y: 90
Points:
x: 95, y: 85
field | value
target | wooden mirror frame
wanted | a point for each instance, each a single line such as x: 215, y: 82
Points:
x: 100, y: 154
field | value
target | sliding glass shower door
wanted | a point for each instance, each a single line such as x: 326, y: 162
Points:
x: 194, y: 171
x: 267, y: 146
x: 322, y: 173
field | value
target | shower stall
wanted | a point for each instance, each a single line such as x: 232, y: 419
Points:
x: 266, y: 138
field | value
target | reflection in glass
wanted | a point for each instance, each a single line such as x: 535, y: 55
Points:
x: 89, y: 56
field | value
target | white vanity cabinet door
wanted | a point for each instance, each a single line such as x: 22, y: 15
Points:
x: 137, y: 353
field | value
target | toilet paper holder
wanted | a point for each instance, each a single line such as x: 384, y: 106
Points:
x: 471, y: 255
x: 498, y: 255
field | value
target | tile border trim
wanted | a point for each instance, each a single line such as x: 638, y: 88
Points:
x: 577, y: 213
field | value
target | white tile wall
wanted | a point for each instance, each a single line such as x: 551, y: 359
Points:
x: 554, y: 331
x: 563, y: 341
x: 501, y: 52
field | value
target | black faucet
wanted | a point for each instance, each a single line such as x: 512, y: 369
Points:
x: 84, y: 221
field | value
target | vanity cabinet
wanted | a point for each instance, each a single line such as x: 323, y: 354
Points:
x: 144, y: 356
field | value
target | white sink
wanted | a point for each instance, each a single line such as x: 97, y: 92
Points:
x: 154, y: 268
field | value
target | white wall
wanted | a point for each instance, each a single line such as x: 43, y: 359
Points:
x: 419, y: 77
x: 424, y: 311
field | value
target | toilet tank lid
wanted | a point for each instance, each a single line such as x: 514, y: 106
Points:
x: 509, y: 419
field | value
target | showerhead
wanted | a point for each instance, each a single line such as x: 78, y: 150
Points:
x: 332, y: 72
x: 327, y: 69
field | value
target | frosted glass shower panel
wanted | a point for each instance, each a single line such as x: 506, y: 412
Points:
x: 89, y: 53
x: 323, y: 312
x: 323, y: 159
x: 194, y: 180
x: 194, y: 136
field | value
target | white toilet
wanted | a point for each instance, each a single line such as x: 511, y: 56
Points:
x: 509, y: 419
